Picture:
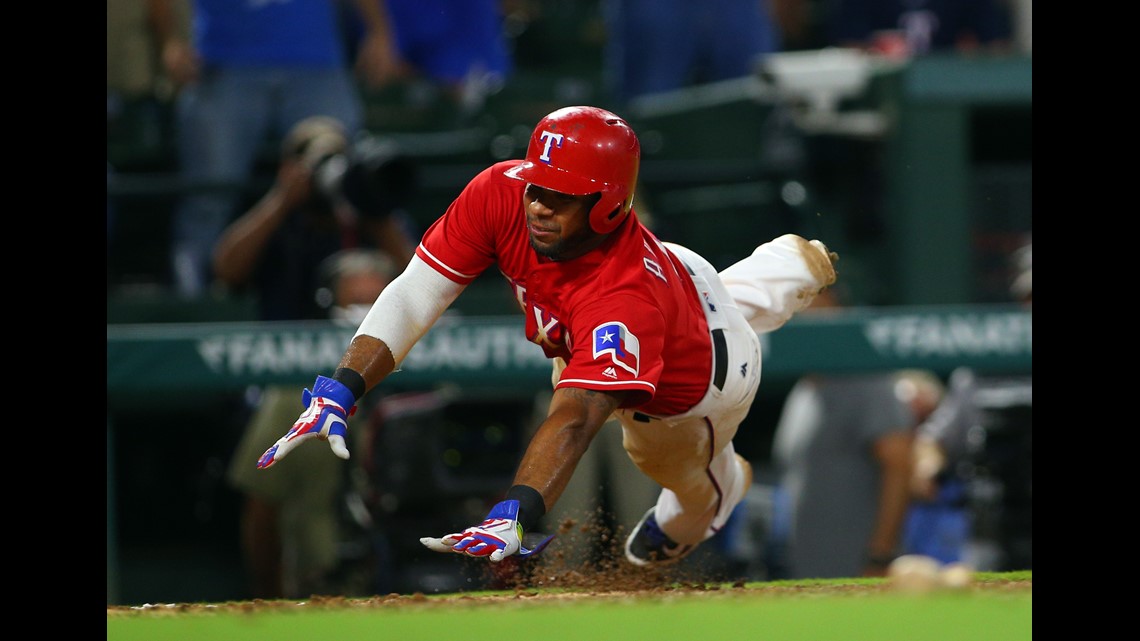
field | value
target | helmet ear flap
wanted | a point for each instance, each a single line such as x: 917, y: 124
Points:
x: 614, y: 206
x: 608, y: 213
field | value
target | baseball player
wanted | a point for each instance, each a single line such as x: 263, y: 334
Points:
x: 640, y: 329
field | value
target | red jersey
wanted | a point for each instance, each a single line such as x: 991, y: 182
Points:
x: 625, y: 316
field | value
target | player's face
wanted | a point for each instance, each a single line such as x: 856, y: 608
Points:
x: 558, y: 223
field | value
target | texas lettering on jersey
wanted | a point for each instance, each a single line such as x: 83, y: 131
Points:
x: 543, y: 329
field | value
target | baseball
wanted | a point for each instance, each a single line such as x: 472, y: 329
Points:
x: 956, y: 576
x: 914, y: 573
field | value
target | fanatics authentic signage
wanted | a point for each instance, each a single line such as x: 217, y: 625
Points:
x: 493, y: 352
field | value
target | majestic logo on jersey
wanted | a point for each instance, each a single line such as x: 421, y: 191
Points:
x: 611, y: 372
x: 623, y: 347
x: 549, y: 139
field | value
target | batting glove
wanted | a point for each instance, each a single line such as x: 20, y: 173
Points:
x: 498, y: 536
x: 325, y: 419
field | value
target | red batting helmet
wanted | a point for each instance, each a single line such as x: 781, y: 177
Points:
x: 585, y: 150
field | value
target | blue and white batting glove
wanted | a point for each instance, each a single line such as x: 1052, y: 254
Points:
x: 498, y: 536
x: 325, y: 418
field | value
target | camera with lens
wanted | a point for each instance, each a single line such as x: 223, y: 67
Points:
x: 373, y: 174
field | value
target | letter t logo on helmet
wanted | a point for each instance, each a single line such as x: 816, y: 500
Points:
x: 581, y: 151
x: 550, y: 139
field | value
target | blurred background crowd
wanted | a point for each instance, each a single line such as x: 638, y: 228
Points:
x: 277, y: 160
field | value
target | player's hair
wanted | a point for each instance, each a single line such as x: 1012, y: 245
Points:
x: 585, y: 150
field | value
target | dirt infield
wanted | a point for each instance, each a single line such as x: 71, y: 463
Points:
x: 987, y: 583
x: 548, y: 577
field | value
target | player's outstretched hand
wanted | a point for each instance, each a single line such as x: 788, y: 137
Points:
x: 498, y: 536
x: 325, y: 418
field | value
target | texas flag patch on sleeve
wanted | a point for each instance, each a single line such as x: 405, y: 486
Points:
x: 614, y: 339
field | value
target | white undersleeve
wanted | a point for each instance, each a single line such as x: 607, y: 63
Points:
x: 408, y: 307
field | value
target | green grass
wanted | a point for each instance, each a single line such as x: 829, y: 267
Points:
x: 847, y: 610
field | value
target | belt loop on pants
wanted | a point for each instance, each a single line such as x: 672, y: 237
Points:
x: 720, y: 358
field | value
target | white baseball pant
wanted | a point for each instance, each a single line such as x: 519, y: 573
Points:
x: 691, y: 455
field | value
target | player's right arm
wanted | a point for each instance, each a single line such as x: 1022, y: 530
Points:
x: 456, y: 248
x: 401, y: 315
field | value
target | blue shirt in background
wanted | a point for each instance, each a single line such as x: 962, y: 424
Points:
x: 269, y: 32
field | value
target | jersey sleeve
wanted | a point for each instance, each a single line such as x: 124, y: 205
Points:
x: 460, y: 244
x: 617, y: 346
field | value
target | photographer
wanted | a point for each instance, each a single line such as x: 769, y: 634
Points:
x: 328, y: 196
x: 293, y: 521
x: 331, y: 201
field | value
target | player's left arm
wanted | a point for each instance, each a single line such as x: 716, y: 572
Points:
x: 575, y: 416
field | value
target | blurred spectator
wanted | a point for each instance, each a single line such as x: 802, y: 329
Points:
x: 661, y: 45
x: 917, y: 27
x: 247, y: 72
x: 973, y: 464
x: 291, y: 520
x: 459, y: 45
x: 973, y: 467
x: 132, y: 57
x: 277, y: 246
x: 135, y: 78
x: 138, y: 97
x: 842, y: 447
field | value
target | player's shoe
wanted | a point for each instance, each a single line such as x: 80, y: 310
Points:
x: 648, y: 545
